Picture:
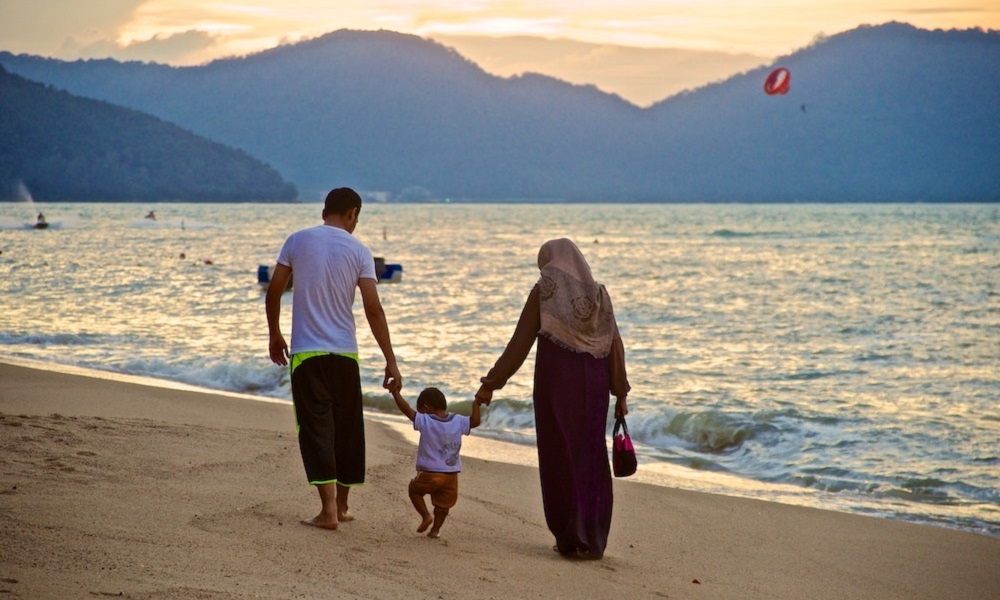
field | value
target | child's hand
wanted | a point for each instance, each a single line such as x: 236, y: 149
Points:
x: 484, y: 395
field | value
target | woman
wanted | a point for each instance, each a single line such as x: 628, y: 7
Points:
x: 580, y: 358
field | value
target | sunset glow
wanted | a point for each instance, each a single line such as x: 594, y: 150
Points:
x: 191, y: 32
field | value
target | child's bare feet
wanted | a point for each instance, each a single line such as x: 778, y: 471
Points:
x: 344, y: 517
x: 425, y: 523
x: 321, y: 522
x: 434, y: 533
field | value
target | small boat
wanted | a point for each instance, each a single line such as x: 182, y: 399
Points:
x: 264, y: 274
x: 41, y: 225
x: 387, y: 273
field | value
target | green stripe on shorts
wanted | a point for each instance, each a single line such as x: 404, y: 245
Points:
x: 299, y: 357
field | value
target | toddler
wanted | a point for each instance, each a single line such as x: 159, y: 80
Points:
x: 438, y: 461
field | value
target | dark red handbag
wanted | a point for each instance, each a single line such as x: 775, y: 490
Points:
x: 622, y: 452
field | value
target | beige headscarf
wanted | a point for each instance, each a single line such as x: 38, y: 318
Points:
x: 576, y: 311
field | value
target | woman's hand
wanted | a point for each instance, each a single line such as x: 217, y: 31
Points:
x: 621, y: 407
x: 484, y: 395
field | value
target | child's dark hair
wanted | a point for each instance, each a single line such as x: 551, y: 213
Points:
x: 433, y: 398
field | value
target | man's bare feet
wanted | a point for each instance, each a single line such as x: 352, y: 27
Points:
x: 434, y: 533
x: 320, y: 523
x: 344, y: 517
x: 425, y: 524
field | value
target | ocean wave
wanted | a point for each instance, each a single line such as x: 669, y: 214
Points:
x: 711, y: 431
x: 930, y: 491
x: 514, y: 417
x: 708, y: 435
x: 57, y: 339
x: 13, y: 224
x: 811, y: 374
x: 830, y: 485
x: 382, y: 402
x: 28, y: 226
x: 731, y: 233
x: 246, y: 377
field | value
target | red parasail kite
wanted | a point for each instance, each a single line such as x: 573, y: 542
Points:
x: 777, y: 82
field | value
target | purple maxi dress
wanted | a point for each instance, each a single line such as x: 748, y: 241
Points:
x: 571, y: 411
x: 571, y: 401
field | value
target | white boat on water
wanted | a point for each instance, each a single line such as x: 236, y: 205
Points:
x: 387, y: 273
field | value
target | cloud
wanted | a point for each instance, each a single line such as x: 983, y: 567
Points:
x: 179, y: 48
x: 40, y: 26
x: 939, y: 10
x: 641, y: 75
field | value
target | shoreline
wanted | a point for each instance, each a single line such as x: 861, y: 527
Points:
x: 661, y: 474
x: 118, y: 488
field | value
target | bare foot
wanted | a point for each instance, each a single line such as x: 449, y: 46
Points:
x: 321, y: 523
x: 425, y: 524
x: 344, y: 517
x: 434, y: 533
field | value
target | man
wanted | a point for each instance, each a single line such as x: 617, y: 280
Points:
x: 329, y: 264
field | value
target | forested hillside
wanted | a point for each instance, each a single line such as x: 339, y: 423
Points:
x: 64, y: 148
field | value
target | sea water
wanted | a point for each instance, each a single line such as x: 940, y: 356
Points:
x: 839, y: 356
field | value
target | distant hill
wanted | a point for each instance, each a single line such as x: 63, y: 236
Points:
x: 882, y: 113
x: 888, y: 113
x: 64, y: 148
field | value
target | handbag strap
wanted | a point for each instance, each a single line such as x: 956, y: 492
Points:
x: 619, y: 424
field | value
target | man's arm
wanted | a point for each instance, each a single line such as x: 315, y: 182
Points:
x: 272, y: 305
x: 380, y: 330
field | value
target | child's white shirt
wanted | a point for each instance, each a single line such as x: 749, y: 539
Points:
x: 440, y: 441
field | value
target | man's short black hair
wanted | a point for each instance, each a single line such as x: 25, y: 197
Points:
x: 340, y: 201
x: 433, y: 398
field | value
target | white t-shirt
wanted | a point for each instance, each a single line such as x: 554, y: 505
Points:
x: 440, y: 441
x: 326, y: 264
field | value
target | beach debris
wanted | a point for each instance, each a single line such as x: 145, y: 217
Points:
x: 695, y: 581
x: 777, y: 82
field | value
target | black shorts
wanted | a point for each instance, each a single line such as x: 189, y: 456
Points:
x: 326, y: 390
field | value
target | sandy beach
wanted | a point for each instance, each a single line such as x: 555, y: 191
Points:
x: 111, y: 488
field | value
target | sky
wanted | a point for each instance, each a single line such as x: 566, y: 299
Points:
x: 617, y: 45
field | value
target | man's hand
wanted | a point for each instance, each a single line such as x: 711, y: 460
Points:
x: 392, y: 381
x: 279, y: 350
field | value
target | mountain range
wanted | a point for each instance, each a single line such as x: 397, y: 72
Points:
x: 879, y: 113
